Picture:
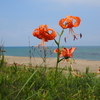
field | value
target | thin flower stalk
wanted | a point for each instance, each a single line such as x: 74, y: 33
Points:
x: 58, y: 46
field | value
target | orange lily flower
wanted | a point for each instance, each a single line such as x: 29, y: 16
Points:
x: 65, y: 52
x: 68, y: 23
x: 44, y: 33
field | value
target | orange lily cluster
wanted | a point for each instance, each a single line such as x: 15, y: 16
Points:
x: 44, y: 33
x: 65, y: 52
x: 68, y: 22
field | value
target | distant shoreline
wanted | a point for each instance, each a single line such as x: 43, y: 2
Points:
x: 49, y: 58
x: 56, y: 46
x: 51, y: 62
x: 91, y: 53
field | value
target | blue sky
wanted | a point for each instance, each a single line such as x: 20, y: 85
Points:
x: 18, y: 18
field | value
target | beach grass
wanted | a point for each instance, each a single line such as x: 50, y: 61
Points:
x: 19, y: 82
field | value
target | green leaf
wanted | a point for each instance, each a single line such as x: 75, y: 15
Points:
x: 61, y: 60
x: 56, y: 42
x: 2, y: 61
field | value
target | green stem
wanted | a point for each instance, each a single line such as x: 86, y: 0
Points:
x: 58, y: 44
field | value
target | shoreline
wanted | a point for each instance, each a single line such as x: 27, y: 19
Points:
x: 50, y: 58
x: 51, y: 62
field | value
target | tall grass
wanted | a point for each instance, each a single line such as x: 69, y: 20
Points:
x: 17, y: 83
x: 2, y: 61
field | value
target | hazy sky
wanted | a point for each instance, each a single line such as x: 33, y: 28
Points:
x: 18, y: 18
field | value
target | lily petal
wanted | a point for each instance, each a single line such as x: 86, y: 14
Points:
x: 69, y: 22
x: 72, y: 49
x: 44, y: 33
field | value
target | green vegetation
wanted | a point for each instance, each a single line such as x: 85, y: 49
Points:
x: 31, y: 83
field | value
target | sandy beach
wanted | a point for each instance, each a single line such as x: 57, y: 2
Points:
x: 51, y: 62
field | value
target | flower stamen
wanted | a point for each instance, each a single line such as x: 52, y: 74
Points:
x: 68, y: 23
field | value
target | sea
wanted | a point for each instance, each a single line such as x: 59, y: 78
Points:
x: 82, y: 52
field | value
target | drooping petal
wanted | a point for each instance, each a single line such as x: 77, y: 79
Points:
x: 66, y: 22
x: 50, y: 34
x: 37, y: 34
x: 64, y: 52
x: 67, y: 52
x: 44, y: 33
x: 56, y: 50
x: 77, y: 22
x: 63, y: 23
x: 61, y: 55
x: 72, y: 49
x: 70, y: 22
